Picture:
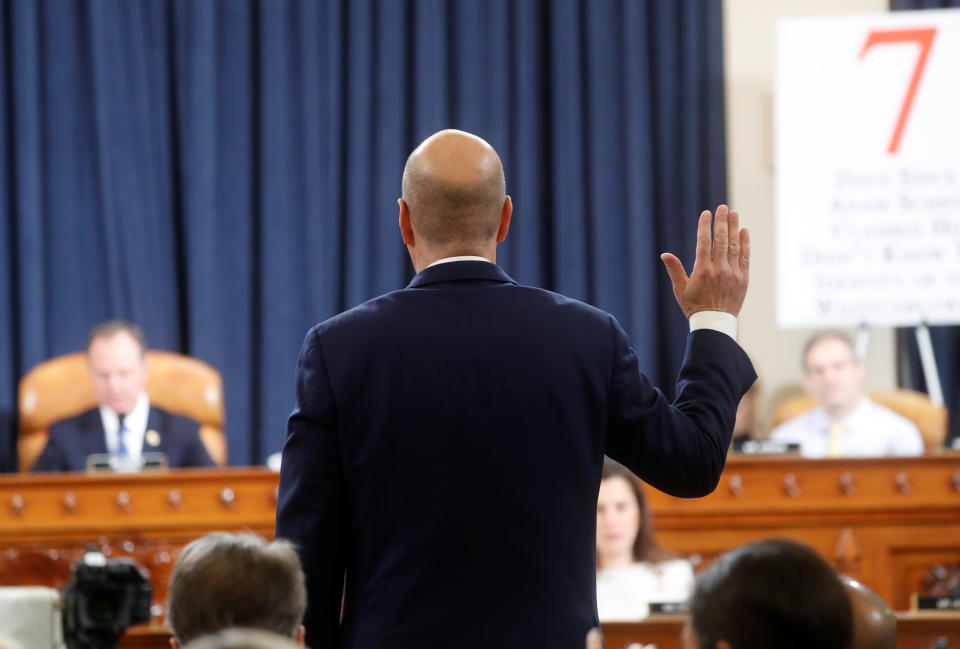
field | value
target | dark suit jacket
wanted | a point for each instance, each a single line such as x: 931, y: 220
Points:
x: 445, y: 453
x: 72, y: 440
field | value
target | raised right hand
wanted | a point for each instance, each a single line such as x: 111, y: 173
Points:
x: 720, y: 270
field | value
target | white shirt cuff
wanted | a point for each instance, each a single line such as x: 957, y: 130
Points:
x: 716, y: 320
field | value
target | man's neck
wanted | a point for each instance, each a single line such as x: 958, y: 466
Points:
x: 424, y: 261
x: 459, y: 258
x: 844, y: 410
x: 615, y: 562
x: 423, y: 256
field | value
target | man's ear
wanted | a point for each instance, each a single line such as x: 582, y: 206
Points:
x: 302, y: 636
x: 505, y: 215
x: 406, y: 229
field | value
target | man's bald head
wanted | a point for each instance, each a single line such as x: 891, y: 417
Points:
x: 454, y: 188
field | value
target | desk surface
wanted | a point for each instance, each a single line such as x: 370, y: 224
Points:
x: 914, y: 631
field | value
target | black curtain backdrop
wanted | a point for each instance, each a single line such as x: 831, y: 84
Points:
x: 946, y: 340
x: 225, y: 173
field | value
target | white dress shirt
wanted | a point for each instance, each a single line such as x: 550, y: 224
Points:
x: 135, y: 422
x: 870, y: 430
x: 716, y: 320
x: 625, y: 594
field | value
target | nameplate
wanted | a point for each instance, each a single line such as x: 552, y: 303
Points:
x: 769, y: 447
x: 109, y: 463
x: 928, y: 603
x: 668, y: 608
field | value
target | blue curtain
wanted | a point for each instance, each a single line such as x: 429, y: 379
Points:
x: 225, y: 173
x: 946, y: 340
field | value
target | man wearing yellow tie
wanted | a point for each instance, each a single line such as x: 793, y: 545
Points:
x: 845, y: 422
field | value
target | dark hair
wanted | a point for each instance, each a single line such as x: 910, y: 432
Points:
x: 110, y: 328
x: 816, y: 339
x: 645, y: 546
x: 772, y: 593
x: 235, y: 580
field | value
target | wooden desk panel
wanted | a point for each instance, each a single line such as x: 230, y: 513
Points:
x: 883, y: 521
x: 47, y: 521
x: 914, y: 631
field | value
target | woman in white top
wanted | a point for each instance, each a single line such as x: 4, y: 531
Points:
x: 632, y: 570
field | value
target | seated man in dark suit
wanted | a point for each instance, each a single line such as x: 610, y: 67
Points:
x: 124, y: 424
x: 771, y: 593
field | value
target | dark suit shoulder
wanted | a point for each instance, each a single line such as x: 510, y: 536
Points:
x: 552, y: 299
x: 181, y: 439
x: 84, y: 420
x: 372, y: 308
x: 375, y: 309
x: 175, y: 423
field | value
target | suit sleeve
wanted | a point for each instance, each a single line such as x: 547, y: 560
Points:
x: 680, y: 447
x: 311, y: 511
x: 197, y: 454
x: 52, y: 457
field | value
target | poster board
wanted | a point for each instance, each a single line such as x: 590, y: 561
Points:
x: 867, y: 133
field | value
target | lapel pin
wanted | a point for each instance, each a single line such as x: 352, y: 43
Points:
x: 152, y: 437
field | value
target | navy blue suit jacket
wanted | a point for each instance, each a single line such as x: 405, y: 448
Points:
x: 72, y: 440
x: 443, y: 459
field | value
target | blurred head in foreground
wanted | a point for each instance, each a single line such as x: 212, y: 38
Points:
x: 236, y: 580
x: 771, y: 593
x: 874, y: 623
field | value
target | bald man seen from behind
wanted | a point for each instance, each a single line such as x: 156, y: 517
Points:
x: 442, y: 462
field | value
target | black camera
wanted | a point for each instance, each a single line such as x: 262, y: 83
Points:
x: 102, y: 599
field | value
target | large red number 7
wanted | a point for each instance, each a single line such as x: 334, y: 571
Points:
x: 924, y: 38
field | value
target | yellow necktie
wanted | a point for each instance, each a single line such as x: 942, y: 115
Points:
x: 835, y: 447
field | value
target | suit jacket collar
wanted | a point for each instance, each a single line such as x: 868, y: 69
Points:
x: 458, y: 271
x: 95, y: 438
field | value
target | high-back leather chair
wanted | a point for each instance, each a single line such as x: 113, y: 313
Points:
x: 61, y: 387
x: 916, y: 406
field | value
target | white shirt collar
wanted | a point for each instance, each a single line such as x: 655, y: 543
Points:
x: 135, y: 422
x: 822, y: 420
x: 446, y: 260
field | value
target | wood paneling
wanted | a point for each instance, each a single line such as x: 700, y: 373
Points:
x: 884, y: 521
x: 47, y: 521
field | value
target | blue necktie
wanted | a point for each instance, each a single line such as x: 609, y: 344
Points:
x: 122, y: 431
